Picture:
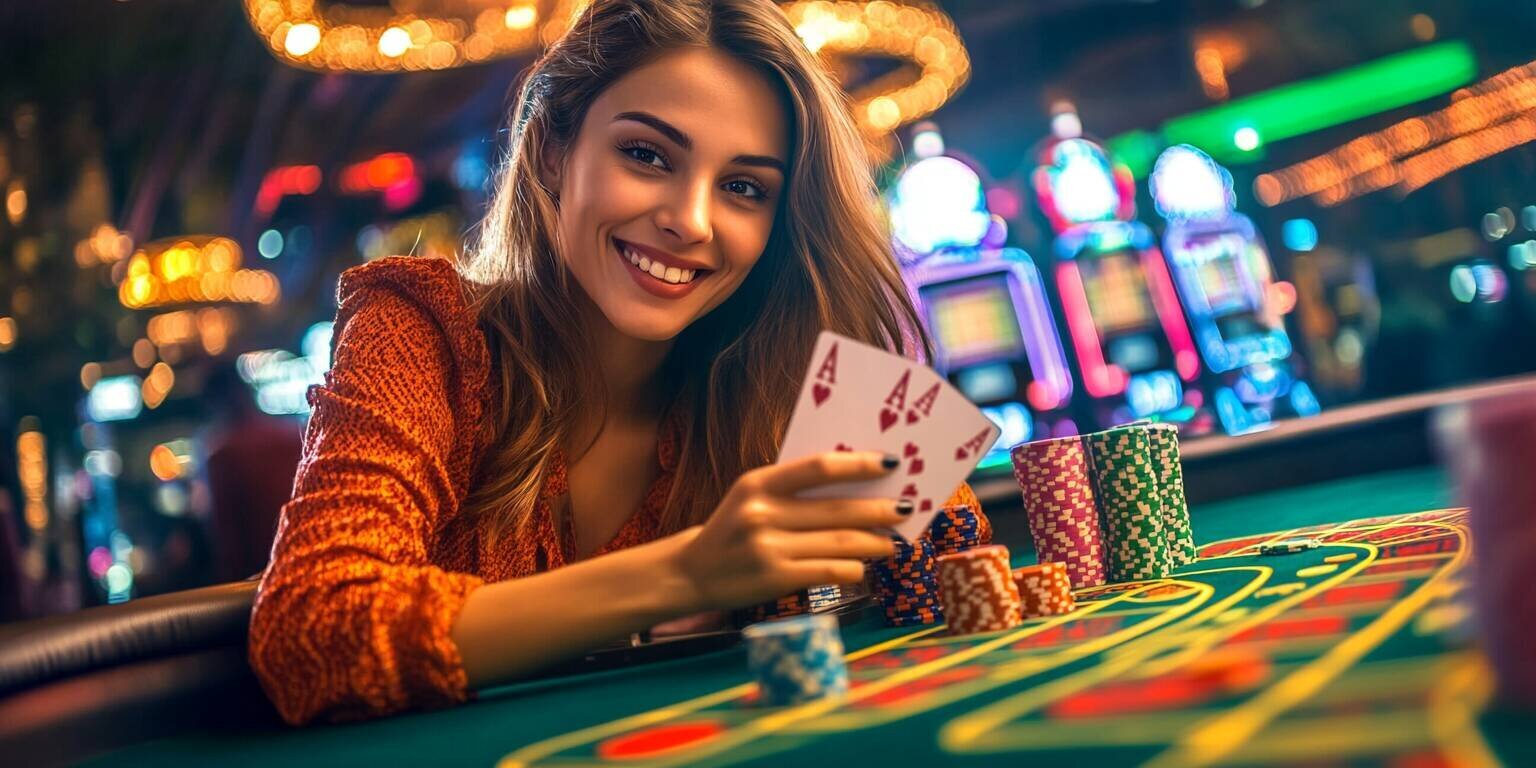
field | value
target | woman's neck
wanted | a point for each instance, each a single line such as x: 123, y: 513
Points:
x: 628, y: 377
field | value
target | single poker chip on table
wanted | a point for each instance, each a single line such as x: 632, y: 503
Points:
x: 796, y: 660
x: 1289, y: 546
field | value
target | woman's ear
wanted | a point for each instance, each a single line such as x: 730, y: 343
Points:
x: 551, y: 168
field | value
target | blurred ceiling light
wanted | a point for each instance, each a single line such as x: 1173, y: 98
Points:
x: 1423, y: 26
x: 1213, y: 73
x: 1493, y: 116
x: 16, y: 201
x: 7, y: 333
x: 920, y: 36
x: 301, y: 39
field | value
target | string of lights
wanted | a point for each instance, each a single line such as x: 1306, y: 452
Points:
x: 335, y: 36
x: 193, y: 269
x: 1372, y: 162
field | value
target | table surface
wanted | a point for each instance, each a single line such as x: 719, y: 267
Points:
x: 1102, y: 686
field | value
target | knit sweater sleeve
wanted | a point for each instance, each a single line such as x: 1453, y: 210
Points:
x: 352, y: 619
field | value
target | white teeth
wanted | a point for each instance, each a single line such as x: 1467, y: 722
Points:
x: 674, y: 275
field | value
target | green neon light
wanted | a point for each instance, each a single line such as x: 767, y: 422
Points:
x: 1321, y: 102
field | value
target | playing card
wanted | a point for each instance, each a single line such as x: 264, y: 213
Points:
x: 856, y: 397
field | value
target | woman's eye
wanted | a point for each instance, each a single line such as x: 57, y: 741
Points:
x: 646, y: 156
x: 746, y: 189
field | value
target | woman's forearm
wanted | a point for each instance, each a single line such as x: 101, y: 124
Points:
x: 511, y: 628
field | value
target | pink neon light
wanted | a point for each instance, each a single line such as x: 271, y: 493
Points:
x: 1099, y: 378
x: 1185, y: 359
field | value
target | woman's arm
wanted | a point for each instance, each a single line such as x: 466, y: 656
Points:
x: 761, y: 541
x: 353, y: 618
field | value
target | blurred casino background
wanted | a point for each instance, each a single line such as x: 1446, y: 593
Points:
x: 1224, y: 213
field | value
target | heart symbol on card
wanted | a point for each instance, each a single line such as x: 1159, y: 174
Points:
x: 916, y: 467
x: 843, y: 447
x: 820, y: 393
x: 925, y: 506
x: 913, y: 416
x: 909, y: 450
x: 910, y: 490
x: 887, y: 418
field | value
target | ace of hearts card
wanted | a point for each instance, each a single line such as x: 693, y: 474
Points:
x: 856, y: 397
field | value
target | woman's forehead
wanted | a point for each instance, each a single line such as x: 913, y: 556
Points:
x: 719, y: 102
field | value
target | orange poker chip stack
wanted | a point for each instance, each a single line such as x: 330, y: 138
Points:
x: 977, y: 592
x: 1044, y: 590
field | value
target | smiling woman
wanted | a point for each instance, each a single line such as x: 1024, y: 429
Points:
x: 568, y: 436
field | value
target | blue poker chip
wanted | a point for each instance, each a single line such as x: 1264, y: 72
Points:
x: 797, y: 659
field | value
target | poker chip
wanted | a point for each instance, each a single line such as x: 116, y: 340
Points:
x: 1130, y: 504
x: 1059, y: 506
x: 956, y: 529
x: 1288, y: 546
x: 788, y: 605
x: 906, y: 584
x: 796, y: 660
x: 1164, y: 442
x: 1044, y: 590
x: 977, y: 591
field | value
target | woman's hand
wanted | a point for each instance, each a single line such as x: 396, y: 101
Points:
x: 762, y: 542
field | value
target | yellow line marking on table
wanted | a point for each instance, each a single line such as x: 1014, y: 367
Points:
x: 780, y: 719
x: 1340, y: 558
x: 1281, y: 589
x: 1223, y: 734
x: 1317, y: 570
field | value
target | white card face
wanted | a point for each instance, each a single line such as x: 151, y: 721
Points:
x: 856, y: 397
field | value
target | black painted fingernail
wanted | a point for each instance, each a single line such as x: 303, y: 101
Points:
x: 904, y: 507
x: 890, y: 461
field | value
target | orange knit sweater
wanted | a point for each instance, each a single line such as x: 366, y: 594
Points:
x: 373, y: 562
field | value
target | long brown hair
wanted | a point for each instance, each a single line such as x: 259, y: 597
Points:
x: 736, y: 372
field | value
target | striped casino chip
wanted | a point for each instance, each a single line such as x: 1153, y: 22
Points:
x: 1059, y: 505
x: 1044, y: 590
x: 1166, y: 461
x: 977, y: 592
x: 1130, y: 504
x: 906, y: 584
x: 796, y: 660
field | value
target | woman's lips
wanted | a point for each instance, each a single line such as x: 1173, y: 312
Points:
x: 653, y: 285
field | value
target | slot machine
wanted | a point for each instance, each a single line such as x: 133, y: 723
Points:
x: 984, y: 304
x: 1135, y: 354
x: 1226, y: 283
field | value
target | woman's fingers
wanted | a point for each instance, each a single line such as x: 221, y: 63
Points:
x: 812, y: 572
x: 820, y: 514
x: 824, y: 469
x: 843, y: 543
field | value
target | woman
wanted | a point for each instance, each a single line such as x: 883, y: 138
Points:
x: 569, y: 436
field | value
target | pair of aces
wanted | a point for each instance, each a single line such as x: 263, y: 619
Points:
x: 856, y: 397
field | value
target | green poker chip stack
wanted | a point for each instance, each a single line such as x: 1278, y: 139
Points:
x: 1164, y: 439
x: 1125, y: 483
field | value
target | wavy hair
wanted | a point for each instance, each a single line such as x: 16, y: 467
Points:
x: 736, y: 371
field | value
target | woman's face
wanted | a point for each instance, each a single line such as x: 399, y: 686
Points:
x: 668, y: 193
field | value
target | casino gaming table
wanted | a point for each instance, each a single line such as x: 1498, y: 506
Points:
x: 1356, y: 652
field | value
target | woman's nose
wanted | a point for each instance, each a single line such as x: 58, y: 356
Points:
x: 685, y: 215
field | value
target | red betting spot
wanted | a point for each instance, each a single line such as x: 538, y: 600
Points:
x: 663, y: 738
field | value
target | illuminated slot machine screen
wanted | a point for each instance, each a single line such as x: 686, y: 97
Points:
x: 973, y: 322
x: 1121, y: 307
x: 1220, y: 278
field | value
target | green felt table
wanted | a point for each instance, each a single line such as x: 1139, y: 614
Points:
x: 1355, y: 652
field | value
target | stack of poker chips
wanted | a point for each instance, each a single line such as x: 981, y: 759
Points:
x: 788, y: 605
x: 1164, y: 440
x: 1059, y: 506
x: 977, y: 591
x: 1125, y: 484
x: 1044, y: 590
x: 1109, y: 505
x: 796, y: 660
x: 956, y: 529
x: 906, y: 584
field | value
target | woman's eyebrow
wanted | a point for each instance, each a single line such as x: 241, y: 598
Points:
x: 683, y: 140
